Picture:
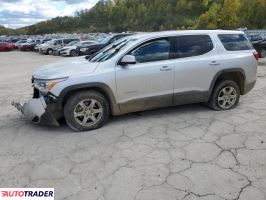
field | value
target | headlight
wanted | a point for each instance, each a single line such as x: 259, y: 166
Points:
x: 46, y: 85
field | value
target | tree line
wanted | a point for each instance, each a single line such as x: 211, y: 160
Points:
x: 157, y: 15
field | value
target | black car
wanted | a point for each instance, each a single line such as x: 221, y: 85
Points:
x: 92, y: 49
x: 259, y: 44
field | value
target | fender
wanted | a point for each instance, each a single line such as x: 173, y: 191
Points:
x: 224, y: 71
x: 101, y: 87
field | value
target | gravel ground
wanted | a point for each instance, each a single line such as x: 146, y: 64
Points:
x: 186, y: 152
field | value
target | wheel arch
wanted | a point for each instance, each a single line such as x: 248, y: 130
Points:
x: 99, y: 87
x: 235, y: 74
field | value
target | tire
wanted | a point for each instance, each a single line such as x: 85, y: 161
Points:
x: 87, y: 117
x: 72, y: 53
x: 262, y: 53
x: 225, y: 96
x: 49, y: 51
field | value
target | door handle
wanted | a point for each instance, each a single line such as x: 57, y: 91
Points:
x: 214, y: 63
x: 166, y: 68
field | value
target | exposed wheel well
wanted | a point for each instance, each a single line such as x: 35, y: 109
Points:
x: 100, y: 90
x: 238, y: 77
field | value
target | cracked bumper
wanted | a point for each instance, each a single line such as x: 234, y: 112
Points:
x: 36, y: 111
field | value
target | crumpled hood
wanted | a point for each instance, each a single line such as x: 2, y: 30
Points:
x: 66, y: 68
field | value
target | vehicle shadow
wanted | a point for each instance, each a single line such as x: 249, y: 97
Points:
x: 20, y: 123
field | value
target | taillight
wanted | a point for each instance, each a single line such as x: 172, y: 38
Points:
x: 256, y: 55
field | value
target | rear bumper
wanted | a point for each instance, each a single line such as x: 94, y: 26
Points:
x: 249, y: 87
x: 37, y: 111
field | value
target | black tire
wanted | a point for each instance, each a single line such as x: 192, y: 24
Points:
x: 72, y: 53
x: 262, y: 53
x: 214, y: 102
x: 72, y: 104
x: 49, y: 51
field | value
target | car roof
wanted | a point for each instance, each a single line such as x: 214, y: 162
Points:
x: 183, y: 32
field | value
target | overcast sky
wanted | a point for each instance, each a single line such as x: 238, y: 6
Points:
x: 19, y: 13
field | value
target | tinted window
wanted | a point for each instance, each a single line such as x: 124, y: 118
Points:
x: 57, y: 42
x: 66, y: 41
x: 193, y: 45
x: 235, y: 42
x: 155, y: 50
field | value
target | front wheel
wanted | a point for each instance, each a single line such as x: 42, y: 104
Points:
x: 72, y: 53
x: 49, y: 52
x: 225, y: 96
x: 86, y: 110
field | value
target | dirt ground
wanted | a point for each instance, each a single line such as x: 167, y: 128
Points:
x: 186, y: 152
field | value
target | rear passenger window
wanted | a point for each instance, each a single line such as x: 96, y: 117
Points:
x: 193, y: 45
x: 235, y: 42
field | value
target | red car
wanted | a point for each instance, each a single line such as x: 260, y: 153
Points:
x: 4, y: 46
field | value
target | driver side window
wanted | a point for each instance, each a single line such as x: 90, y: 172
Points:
x: 155, y: 50
x: 58, y: 42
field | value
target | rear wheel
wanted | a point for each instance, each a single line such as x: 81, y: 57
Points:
x: 225, y: 96
x: 86, y: 110
x: 262, y: 53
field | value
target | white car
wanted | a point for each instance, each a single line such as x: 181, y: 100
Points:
x: 145, y: 71
x: 71, y: 50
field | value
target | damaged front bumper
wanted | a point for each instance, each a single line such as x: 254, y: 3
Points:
x: 36, y: 111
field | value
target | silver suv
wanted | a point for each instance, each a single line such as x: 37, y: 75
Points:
x: 141, y: 72
x: 50, y: 46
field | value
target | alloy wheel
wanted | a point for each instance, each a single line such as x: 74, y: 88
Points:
x: 88, y: 112
x: 227, y: 97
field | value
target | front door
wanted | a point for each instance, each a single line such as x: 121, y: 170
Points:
x: 148, y: 83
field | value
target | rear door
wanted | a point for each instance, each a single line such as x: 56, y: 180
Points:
x: 196, y: 64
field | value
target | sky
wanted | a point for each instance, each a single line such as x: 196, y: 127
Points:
x: 19, y: 13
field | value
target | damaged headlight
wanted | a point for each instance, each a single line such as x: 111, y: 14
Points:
x: 45, y: 85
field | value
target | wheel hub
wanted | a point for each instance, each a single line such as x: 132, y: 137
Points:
x: 227, y: 97
x: 88, y: 112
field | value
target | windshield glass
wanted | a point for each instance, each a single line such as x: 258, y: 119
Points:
x: 50, y: 42
x: 72, y: 43
x: 111, y: 50
x: 105, y: 40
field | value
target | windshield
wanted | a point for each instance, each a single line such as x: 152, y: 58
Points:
x: 105, y: 40
x: 111, y: 50
x: 72, y: 43
x: 50, y: 42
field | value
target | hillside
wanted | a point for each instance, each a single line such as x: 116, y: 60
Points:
x: 155, y: 15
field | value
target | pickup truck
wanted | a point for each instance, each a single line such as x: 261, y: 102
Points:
x: 259, y: 44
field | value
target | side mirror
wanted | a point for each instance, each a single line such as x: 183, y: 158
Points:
x: 128, y: 60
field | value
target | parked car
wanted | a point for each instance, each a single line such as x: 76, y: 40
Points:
x: 71, y: 50
x: 145, y: 71
x: 259, y: 44
x: 4, y: 46
x: 29, y: 45
x: 19, y: 43
x: 57, y: 52
x: 50, y: 46
x: 42, y: 41
x: 92, y: 49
